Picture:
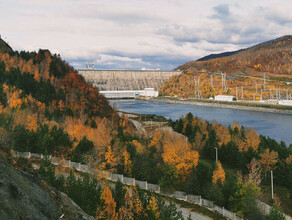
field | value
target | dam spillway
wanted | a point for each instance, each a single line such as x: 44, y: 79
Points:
x: 115, y: 80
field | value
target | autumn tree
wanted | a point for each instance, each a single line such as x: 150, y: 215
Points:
x: 32, y: 123
x: 178, y: 153
x: 268, y: 159
x: 110, y: 158
x: 153, y: 208
x: 127, y: 163
x: 218, y: 174
x: 107, y: 209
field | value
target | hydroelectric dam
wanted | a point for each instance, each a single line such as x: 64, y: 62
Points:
x: 127, y: 83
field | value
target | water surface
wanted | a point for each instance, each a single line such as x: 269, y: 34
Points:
x: 277, y: 126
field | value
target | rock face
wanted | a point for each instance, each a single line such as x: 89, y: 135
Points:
x: 23, y: 196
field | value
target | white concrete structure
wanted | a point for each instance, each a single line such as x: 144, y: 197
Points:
x: 122, y: 94
x: 112, y: 80
x: 224, y: 98
x: 285, y: 102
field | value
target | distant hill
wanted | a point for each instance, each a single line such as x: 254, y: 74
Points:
x: 274, y: 56
x: 219, y: 55
x: 4, y: 47
x: 243, y: 68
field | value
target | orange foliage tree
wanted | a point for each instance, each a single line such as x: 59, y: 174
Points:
x: 153, y: 207
x: 218, y: 173
x: 32, y: 123
x: 107, y: 211
x: 127, y: 163
x: 268, y: 159
x: 178, y: 153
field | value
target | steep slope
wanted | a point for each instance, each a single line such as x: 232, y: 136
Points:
x: 23, y: 196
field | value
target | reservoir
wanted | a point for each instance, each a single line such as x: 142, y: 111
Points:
x: 277, y: 126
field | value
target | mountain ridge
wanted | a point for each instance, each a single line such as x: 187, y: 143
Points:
x: 273, y: 56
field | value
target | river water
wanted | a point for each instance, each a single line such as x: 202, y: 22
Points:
x: 277, y: 126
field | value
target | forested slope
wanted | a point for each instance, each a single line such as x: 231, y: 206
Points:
x: 246, y: 69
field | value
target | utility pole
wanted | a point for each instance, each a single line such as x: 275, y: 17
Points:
x: 272, y: 184
x: 286, y: 94
x: 216, y: 154
x: 236, y: 94
x: 261, y: 94
x: 224, y: 82
x: 270, y: 93
x: 264, y: 81
x: 242, y: 92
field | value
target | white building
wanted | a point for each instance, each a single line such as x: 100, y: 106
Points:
x: 285, y: 102
x: 224, y: 98
x: 147, y: 92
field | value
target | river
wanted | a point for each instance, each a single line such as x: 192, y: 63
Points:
x: 277, y: 126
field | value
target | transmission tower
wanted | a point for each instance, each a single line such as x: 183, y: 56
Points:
x: 90, y: 65
x: 197, y: 88
x: 264, y: 81
x: 224, y: 82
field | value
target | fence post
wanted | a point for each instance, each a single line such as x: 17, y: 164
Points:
x: 200, y: 202
x: 146, y: 187
x: 29, y: 155
x: 122, y: 180
x: 42, y: 156
x: 158, y: 189
x: 69, y: 163
x: 186, y: 197
x: 134, y: 182
x: 79, y: 166
x: 223, y: 211
x: 234, y: 216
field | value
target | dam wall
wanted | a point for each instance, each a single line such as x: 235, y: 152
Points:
x: 114, y: 80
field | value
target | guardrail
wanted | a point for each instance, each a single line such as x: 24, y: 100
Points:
x: 195, y: 199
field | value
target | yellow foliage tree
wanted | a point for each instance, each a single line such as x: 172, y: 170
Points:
x: 139, y: 147
x: 252, y: 138
x: 218, y: 173
x: 109, y: 157
x: 268, y: 159
x: 178, y: 153
x: 109, y: 205
x: 31, y: 122
x: 127, y: 163
x: 133, y: 207
x: 152, y: 206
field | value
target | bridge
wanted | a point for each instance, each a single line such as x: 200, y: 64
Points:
x: 127, y: 80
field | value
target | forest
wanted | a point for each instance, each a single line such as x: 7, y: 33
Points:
x: 256, y: 73
x: 46, y: 107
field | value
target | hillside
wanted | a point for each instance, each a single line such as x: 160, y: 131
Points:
x: 47, y: 108
x: 4, y: 47
x: 218, y: 55
x: 273, y: 56
x: 23, y: 196
x: 245, y: 69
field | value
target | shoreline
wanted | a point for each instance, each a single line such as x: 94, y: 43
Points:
x: 222, y: 105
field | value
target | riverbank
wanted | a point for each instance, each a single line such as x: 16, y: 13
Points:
x: 248, y: 106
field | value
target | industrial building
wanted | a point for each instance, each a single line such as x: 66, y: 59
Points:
x: 224, y: 98
x: 124, y: 94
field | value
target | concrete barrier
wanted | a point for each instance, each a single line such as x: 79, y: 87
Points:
x: 142, y: 184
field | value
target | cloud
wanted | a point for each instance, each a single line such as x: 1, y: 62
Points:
x: 134, y: 33
x: 221, y: 11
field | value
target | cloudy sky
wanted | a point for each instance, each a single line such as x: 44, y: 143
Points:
x: 131, y: 34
